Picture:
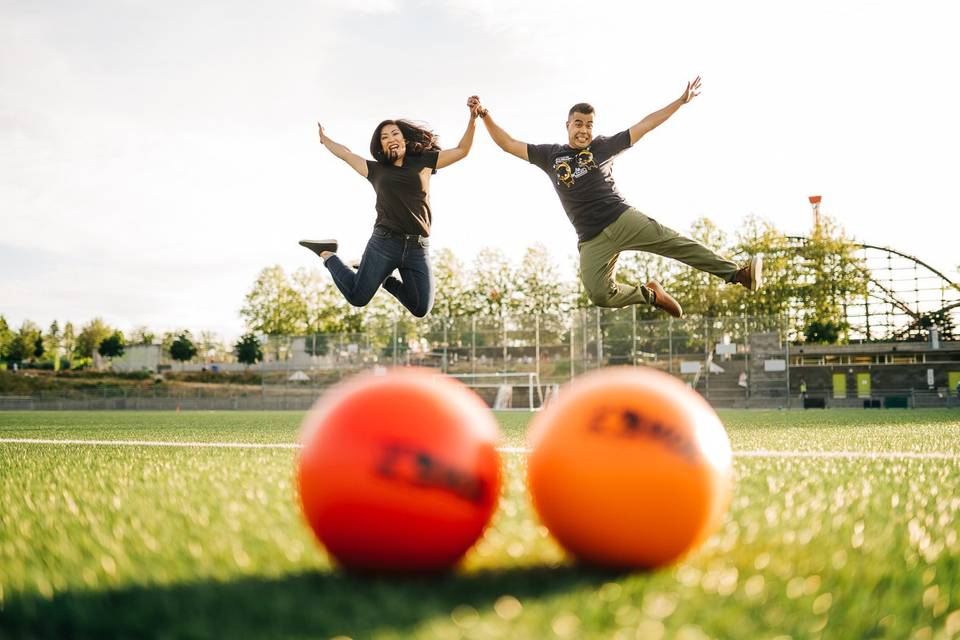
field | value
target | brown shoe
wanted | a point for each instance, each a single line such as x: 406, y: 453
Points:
x: 663, y: 300
x: 751, y: 274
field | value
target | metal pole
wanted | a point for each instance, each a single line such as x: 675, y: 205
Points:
x: 444, y: 368
x: 573, y: 331
x: 670, y: 344
x: 473, y: 343
x: 633, y: 350
x: 706, y: 357
x: 395, y: 340
x: 536, y: 351
x: 583, y: 323
x: 503, y: 322
x: 786, y: 347
x: 599, y: 341
x: 746, y: 330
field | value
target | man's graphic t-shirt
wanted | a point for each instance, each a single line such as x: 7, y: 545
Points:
x: 402, y: 204
x: 583, y: 178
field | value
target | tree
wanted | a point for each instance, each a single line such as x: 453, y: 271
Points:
x: 182, y: 348
x: 52, y: 343
x: 830, y: 275
x: 210, y: 347
x: 69, y: 342
x: 538, y: 283
x: 699, y: 292
x: 90, y: 337
x: 493, y: 290
x: 25, y: 343
x: 779, y: 292
x: 828, y: 332
x: 112, y: 346
x: 142, y: 336
x: 323, y: 306
x: 6, y: 338
x: 248, y: 349
x: 452, y: 291
x: 273, y: 306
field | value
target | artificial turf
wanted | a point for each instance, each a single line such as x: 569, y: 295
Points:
x: 131, y: 541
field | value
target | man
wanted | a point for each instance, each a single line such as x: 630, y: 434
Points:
x: 606, y: 225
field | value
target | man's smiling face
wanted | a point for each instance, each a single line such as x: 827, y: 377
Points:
x: 580, y: 129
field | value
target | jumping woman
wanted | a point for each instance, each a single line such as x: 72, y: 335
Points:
x: 405, y: 156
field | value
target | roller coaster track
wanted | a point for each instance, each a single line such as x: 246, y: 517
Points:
x: 883, y: 292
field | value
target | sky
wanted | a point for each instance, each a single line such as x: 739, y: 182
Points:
x: 154, y: 157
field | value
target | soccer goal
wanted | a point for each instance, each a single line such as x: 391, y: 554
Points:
x: 506, y: 391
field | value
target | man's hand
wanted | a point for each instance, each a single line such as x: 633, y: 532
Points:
x: 323, y: 138
x: 476, y: 109
x: 693, y: 90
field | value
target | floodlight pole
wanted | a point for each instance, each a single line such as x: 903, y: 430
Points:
x: 815, y: 202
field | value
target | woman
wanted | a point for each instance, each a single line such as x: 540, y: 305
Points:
x: 405, y: 156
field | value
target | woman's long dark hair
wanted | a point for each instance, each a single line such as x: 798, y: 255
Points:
x: 417, y: 137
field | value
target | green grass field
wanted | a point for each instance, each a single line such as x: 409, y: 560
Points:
x: 145, y: 541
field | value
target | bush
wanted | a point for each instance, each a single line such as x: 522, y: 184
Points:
x: 209, y: 377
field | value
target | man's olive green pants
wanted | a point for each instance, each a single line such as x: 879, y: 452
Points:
x: 633, y: 231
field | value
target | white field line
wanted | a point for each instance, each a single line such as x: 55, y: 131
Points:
x: 757, y: 453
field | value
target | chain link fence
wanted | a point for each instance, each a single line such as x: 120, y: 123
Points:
x: 517, y: 361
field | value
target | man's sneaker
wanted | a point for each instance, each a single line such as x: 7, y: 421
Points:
x: 751, y: 274
x: 665, y: 301
x: 319, y: 246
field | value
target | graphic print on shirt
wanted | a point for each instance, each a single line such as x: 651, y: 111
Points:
x: 568, y: 176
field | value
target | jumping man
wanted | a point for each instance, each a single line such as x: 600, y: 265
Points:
x: 582, y: 175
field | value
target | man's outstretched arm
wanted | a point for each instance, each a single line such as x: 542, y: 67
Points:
x: 501, y: 137
x: 657, y: 118
x: 359, y: 164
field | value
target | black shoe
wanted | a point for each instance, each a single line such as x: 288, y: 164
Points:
x: 319, y: 246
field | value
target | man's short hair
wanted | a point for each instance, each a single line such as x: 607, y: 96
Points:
x: 581, y: 107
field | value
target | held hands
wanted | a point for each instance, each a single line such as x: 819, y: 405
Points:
x: 476, y: 109
x: 693, y: 90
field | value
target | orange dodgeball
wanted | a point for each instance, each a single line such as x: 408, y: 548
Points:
x: 629, y: 468
x: 399, y: 472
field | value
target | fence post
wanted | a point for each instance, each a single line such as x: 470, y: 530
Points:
x: 786, y: 357
x: 583, y: 323
x: 633, y: 342
x: 473, y: 343
x: 670, y: 344
x: 573, y: 332
x: 706, y: 357
x: 599, y: 341
x: 746, y: 341
x: 536, y: 320
x: 444, y: 365
x: 395, y: 338
x: 503, y: 338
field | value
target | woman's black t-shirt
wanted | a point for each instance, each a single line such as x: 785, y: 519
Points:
x: 402, y: 204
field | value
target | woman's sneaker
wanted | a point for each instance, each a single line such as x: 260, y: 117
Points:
x: 319, y: 246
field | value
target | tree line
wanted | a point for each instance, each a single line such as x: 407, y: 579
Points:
x: 809, y: 283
